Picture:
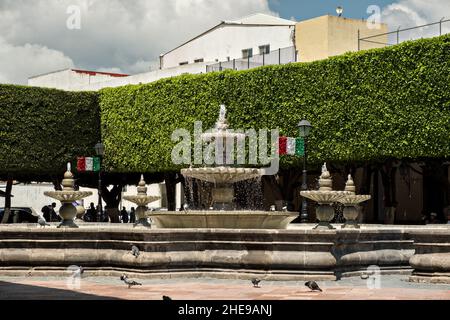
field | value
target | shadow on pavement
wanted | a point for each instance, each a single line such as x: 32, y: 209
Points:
x: 16, y: 291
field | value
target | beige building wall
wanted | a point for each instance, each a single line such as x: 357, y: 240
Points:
x: 328, y: 36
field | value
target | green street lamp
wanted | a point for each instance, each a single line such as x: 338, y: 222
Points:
x: 100, y: 151
x: 304, y: 130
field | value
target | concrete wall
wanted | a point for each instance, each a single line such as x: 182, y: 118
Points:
x: 72, y: 81
x: 67, y: 79
x: 327, y: 36
x: 229, y: 41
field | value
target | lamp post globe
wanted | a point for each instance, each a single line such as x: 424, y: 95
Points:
x: 304, y: 128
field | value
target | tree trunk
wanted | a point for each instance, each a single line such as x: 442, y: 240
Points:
x: 8, y: 190
x: 389, y: 187
x: 365, y: 189
x: 112, y: 199
x: 170, y: 181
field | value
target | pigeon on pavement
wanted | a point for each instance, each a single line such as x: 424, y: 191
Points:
x: 135, y: 251
x: 313, y: 286
x: 42, y: 222
x: 256, y: 282
x: 129, y: 282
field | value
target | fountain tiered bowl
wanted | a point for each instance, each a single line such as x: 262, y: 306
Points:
x: 67, y: 196
x: 142, y: 200
x: 221, y: 175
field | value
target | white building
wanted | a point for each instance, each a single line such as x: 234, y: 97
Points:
x: 255, y: 34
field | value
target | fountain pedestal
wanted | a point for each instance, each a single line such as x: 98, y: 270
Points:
x: 324, y: 213
x: 351, y: 202
x: 222, y: 198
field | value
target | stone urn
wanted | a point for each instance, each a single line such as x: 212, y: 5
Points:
x: 351, y: 202
x: 68, y: 196
x: 142, y: 199
x: 325, y: 197
x: 80, y: 211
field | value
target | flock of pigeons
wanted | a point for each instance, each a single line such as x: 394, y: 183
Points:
x: 312, y: 285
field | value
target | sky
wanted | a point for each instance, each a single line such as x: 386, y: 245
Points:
x: 41, y: 36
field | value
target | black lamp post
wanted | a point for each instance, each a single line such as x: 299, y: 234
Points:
x: 100, y: 150
x: 304, y: 129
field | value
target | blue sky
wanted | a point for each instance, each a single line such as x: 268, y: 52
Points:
x: 306, y: 9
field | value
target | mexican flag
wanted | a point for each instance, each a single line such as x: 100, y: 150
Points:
x: 88, y: 164
x: 291, y: 146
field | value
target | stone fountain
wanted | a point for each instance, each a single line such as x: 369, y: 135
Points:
x: 351, y: 204
x: 325, y: 197
x: 224, y: 176
x: 141, y: 200
x: 68, y: 196
x: 223, y: 214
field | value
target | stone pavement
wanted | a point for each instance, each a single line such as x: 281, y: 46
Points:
x: 96, y: 288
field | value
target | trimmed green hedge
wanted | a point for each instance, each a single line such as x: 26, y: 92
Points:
x: 42, y: 129
x: 366, y: 106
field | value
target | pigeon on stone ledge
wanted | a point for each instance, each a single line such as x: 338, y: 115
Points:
x: 135, y: 251
x: 313, y: 286
x: 130, y: 283
x: 256, y: 282
x: 42, y: 222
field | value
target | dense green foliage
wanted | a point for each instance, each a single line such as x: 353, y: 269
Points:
x: 43, y: 129
x: 366, y: 106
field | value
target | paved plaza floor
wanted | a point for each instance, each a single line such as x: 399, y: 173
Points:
x: 101, y: 288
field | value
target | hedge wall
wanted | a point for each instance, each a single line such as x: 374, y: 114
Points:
x: 366, y: 106
x: 42, y: 129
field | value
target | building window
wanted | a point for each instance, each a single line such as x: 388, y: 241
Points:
x: 183, y: 63
x: 247, y: 53
x: 265, y: 49
x: 198, y: 60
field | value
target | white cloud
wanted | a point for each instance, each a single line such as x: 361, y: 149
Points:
x: 410, y: 13
x: 17, y: 63
x: 115, y: 34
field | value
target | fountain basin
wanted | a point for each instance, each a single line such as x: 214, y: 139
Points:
x: 353, y: 200
x: 68, y: 196
x: 222, y: 175
x: 223, y: 219
x: 324, y: 197
x: 141, y: 200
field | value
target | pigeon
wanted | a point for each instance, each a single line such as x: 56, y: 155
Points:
x: 167, y: 298
x: 256, y: 282
x: 313, y: 286
x: 285, y: 209
x: 185, y: 207
x: 272, y: 208
x: 135, y: 251
x: 42, y: 222
x: 129, y: 282
x: 77, y: 271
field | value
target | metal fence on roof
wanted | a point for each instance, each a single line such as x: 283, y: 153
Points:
x: 279, y: 56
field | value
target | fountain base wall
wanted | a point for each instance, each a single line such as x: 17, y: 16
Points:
x: 223, y: 219
x: 294, y: 254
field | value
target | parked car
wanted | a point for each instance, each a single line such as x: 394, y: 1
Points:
x: 20, y: 215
